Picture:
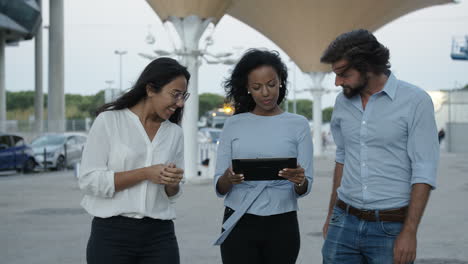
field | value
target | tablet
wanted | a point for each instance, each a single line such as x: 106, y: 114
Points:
x: 262, y: 169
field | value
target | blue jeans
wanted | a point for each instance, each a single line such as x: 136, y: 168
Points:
x: 354, y: 241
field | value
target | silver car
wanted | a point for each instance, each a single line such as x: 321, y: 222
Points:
x: 209, y: 135
x: 58, y: 151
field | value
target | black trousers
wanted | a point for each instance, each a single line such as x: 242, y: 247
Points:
x: 122, y: 240
x: 262, y: 239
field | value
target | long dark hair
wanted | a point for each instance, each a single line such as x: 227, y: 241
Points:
x: 362, y: 51
x: 158, y: 73
x: 236, y: 85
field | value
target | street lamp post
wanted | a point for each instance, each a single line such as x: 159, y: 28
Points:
x: 120, y: 53
x: 109, y: 83
x: 110, y: 94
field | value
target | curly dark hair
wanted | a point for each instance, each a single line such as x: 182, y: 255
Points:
x: 158, y: 73
x: 362, y: 51
x: 236, y: 85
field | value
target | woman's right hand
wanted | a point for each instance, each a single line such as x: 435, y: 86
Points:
x: 232, y: 177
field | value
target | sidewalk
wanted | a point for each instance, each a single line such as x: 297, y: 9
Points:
x: 42, y: 222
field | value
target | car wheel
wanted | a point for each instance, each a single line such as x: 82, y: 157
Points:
x: 29, y: 166
x: 60, y: 165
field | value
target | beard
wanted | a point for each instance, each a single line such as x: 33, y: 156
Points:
x: 350, y: 91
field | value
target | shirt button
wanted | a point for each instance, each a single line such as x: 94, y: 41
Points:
x: 362, y: 144
x: 363, y: 164
x: 363, y: 122
x: 365, y: 187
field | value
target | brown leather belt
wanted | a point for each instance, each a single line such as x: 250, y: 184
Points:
x: 393, y: 215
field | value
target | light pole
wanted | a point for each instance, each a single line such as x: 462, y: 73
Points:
x: 109, y: 83
x: 120, y: 53
x: 110, y: 94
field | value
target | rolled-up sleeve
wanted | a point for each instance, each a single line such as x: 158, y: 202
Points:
x: 423, y: 145
x: 95, y: 178
x: 223, y: 155
x: 305, y: 154
x: 335, y: 128
x: 179, y: 162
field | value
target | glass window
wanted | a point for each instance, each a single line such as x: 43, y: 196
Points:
x: 18, y: 141
x: 5, y: 140
x: 49, y: 140
x: 71, y: 141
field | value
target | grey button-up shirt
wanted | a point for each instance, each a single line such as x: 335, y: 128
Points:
x: 386, y: 147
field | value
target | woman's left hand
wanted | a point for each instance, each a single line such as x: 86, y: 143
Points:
x: 296, y: 175
x: 171, y: 175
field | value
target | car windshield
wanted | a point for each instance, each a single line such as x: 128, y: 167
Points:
x: 49, y: 140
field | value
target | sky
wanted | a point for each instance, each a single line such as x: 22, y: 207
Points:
x: 419, y: 43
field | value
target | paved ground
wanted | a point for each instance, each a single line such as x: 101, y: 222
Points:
x: 42, y: 222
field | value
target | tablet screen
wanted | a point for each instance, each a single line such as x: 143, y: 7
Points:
x: 262, y: 169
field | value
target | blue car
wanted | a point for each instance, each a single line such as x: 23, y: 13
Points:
x: 15, y: 154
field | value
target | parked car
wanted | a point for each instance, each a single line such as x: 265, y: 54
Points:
x: 58, y: 151
x: 15, y: 154
x: 209, y: 135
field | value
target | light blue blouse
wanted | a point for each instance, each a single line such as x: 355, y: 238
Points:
x: 248, y: 135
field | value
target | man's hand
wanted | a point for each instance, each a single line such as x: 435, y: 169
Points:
x: 325, y: 228
x: 404, y: 249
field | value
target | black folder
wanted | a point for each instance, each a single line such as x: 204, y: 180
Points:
x: 262, y: 169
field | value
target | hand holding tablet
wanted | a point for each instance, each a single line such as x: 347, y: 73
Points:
x: 297, y: 175
x: 265, y: 169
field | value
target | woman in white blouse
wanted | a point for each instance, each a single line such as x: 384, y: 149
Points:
x: 132, y: 169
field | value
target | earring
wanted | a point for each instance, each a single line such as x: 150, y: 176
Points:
x: 248, y: 92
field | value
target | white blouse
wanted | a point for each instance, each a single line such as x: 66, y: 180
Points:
x: 118, y: 142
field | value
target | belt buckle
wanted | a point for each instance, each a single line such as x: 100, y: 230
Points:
x: 366, y: 214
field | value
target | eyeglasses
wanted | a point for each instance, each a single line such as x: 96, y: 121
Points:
x: 177, y: 96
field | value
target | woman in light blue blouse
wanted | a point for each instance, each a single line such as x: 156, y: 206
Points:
x: 260, y: 221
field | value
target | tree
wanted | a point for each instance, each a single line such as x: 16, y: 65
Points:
x: 91, y: 103
x: 327, y: 114
x: 82, y: 106
x: 209, y: 101
x: 303, y: 107
x: 20, y: 105
x: 465, y: 88
x: 19, y: 100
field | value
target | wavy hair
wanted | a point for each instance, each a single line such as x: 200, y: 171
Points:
x: 362, y: 51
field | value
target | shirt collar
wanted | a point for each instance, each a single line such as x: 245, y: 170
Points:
x: 390, y: 86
